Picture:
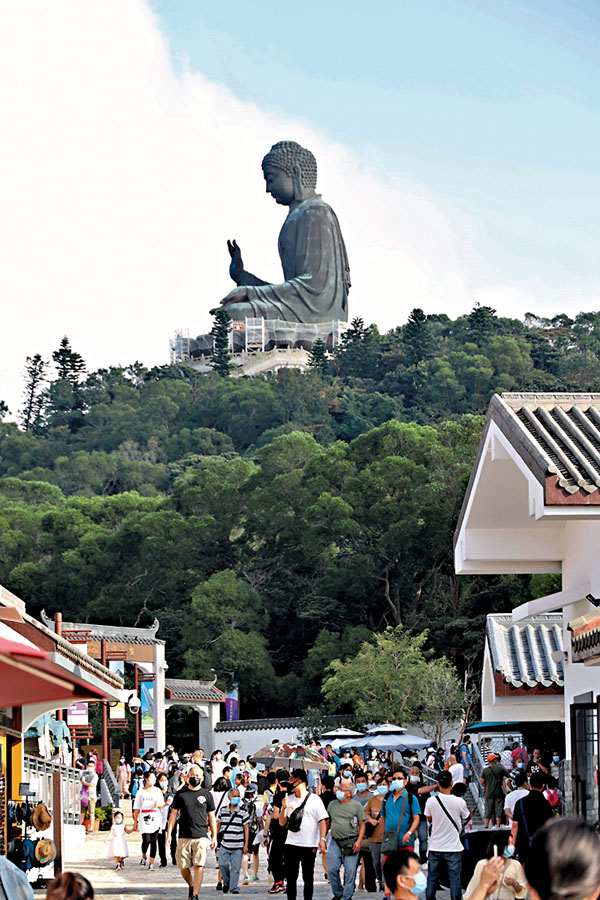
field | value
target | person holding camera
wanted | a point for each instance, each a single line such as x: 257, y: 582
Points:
x: 306, y: 820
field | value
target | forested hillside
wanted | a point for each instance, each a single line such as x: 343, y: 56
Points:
x: 272, y: 525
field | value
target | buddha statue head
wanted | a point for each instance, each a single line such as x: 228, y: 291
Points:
x: 290, y: 172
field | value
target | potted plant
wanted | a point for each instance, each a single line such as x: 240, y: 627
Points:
x: 103, y: 819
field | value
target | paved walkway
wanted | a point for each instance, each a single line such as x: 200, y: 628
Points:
x: 136, y: 883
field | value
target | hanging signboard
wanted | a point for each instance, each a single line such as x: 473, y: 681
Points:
x: 77, y: 715
x: 118, y: 710
x: 147, y: 711
x: 232, y: 704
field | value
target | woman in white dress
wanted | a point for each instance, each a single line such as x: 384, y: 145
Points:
x: 146, y: 816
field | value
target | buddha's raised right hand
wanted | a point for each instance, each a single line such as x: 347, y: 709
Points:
x: 236, y: 266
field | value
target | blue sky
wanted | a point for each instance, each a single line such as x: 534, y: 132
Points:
x: 457, y: 141
x: 491, y: 106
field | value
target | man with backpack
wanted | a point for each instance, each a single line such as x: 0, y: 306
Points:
x: 530, y: 814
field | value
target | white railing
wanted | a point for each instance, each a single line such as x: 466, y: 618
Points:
x: 38, y: 773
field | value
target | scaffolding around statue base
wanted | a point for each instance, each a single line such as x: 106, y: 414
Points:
x: 258, y: 335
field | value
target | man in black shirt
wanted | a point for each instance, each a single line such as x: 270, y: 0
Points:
x: 530, y: 814
x: 196, y: 809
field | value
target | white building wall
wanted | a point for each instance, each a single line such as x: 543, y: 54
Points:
x: 581, y: 558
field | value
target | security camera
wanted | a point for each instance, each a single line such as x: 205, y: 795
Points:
x: 134, y: 704
x: 595, y: 601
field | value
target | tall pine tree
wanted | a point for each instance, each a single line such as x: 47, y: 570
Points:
x: 69, y: 365
x: 221, y: 358
x: 417, y: 338
x: 35, y: 370
x: 318, y: 356
x: 481, y: 322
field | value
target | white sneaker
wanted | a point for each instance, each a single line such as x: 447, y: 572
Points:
x: 151, y: 867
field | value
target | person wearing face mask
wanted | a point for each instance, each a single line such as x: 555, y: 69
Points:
x: 89, y: 792
x: 519, y: 756
x: 373, y: 762
x: 306, y: 820
x: 196, y: 810
x: 421, y: 791
x: 233, y: 838
x: 124, y: 777
x: 347, y: 823
x: 555, y: 765
x: 117, y: 849
x: 447, y: 815
x: 146, y: 816
x: 163, y: 784
x: 374, y: 828
x: 403, y: 875
x: 274, y: 834
x: 366, y: 872
x: 401, y: 813
x: 344, y: 771
x: 512, y: 882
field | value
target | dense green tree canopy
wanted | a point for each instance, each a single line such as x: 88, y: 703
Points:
x: 274, y: 524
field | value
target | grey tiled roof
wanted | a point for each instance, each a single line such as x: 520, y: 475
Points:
x: 564, y: 433
x: 183, y: 689
x: 279, y: 723
x: 522, y: 652
x: 115, y: 633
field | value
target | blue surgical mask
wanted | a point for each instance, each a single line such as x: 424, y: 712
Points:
x: 341, y: 795
x: 414, y: 779
x: 397, y: 785
x: 382, y: 788
x: 362, y: 787
x: 347, y: 773
x: 556, y: 758
x: 521, y: 765
x: 420, y: 884
x: 509, y: 851
x: 235, y: 801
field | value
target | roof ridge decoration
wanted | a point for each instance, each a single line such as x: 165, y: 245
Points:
x: 70, y: 651
x: 114, y: 631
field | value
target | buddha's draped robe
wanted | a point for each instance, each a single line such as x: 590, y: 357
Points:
x: 315, y: 269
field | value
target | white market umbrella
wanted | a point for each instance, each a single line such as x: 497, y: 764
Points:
x: 342, y: 733
x: 386, y: 728
x: 398, y: 743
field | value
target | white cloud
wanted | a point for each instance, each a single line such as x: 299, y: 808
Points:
x: 121, y: 182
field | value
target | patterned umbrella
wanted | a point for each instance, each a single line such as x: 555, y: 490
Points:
x: 289, y: 756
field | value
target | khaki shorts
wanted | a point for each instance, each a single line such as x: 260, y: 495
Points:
x: 191, y: 852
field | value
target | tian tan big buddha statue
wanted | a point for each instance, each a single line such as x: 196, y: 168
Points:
x: 311, y: 247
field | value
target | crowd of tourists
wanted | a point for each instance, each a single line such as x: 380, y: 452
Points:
x: 383, y: 827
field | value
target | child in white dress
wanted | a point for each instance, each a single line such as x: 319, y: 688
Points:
x: 118, y: 845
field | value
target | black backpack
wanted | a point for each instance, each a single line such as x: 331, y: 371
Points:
x: 250, y: 807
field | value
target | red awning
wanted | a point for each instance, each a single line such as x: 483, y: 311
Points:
x: 27, y: 675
